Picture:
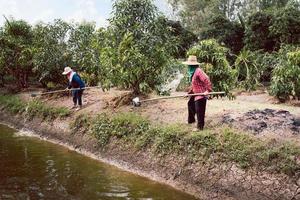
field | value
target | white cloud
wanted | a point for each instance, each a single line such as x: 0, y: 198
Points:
x: 86, y: 10
x: 34, y: 11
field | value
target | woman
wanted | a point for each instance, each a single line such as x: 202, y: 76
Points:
x: 200, y: 84
x: 75, y: 82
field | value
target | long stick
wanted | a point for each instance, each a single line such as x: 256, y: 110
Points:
x: 65, y: 90
x: 178, y: 96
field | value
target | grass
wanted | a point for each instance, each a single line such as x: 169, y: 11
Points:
x: 221, y: 145
x: 218, y: 145
x: 32, y: 109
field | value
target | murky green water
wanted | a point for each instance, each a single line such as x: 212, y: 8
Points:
x: 35, y: 169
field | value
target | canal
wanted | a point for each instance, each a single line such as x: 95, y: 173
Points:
x: 34, y: 169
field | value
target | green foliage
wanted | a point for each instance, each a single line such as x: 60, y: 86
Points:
x: 184, y: 37
x: 169, y: 139
x: 266, y: 63
x: 215, y: 64
x: 201, y: 145
x: 142, y: 45
x: 225, y: 31
x: 283, y: 157
x: 86, y: 46
x: 286, y: 76
x: 32, y: 109
x: 248, y: 72
x: 240, y: 148
x: 285, y: 25
x: 120, y: 126
x: 16, y: 51
x: 221, y: 145
x: 51, y: 51
x: 36, y: 108
x: 12, y: 103
x: 257, y: 34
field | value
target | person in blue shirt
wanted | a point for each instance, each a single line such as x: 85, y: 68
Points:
x: 75, y: 82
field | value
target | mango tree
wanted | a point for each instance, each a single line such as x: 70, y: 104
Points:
x: 215, y: 64
x: 142, y: 45
x: 51, y: 52
x: 286, y: 76
x: 16, y: 51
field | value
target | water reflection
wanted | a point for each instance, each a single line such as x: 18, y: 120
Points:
x: 34, y: 169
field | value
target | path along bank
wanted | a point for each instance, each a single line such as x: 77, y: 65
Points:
x: 214, y: 164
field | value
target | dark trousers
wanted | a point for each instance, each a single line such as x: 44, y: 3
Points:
x: 197, y: 107
x: 77, y: 97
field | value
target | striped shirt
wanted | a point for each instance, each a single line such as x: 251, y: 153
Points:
x: 200, y: 83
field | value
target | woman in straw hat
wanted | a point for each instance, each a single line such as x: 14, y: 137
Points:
x: 75, y: 82
x: 200, y: 84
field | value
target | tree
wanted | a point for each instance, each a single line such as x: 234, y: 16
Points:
x: 142, y: 45
x: 285, y: 26
x: 16, y: 50
x: 194, y: 14
x: 51, y: 51
x: 185, y: 38
x: 225, y: 31
x: 85, y: 57
x: 214, y: 63
x: 257, y: 35
x: 286, y: 75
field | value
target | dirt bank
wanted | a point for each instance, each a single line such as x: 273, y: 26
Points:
x: 204, y: 180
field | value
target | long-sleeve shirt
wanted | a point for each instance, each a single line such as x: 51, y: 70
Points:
x: 75, y: 81
x: 200, y: 83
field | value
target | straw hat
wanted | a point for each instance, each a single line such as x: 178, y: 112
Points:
x: 192, y: 60
x: 67, y: 70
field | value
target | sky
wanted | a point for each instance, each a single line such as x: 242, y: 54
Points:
x: 34, y: 11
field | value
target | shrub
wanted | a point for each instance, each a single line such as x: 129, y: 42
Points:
x: 266, y: 63
x: 248, y: 72
x: 215, y: 64
x: 286, y: 76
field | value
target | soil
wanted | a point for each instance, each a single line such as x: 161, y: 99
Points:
x: 248, y: 112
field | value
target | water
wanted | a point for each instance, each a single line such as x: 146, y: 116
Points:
x: 35, y: 169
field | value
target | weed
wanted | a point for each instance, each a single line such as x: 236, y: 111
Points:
x: 12, y: 103
x: 32, y: 109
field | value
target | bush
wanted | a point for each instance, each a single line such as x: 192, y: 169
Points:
x: 248, y: 72
x: 266, y: 63
x: 215, y: 64
x: 285, y: 77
